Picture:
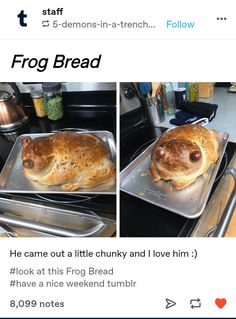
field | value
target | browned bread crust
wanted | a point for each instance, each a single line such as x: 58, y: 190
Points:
x: 182, y: 154
x: 68, y: 159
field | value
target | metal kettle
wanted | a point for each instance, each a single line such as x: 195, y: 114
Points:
x: 12, y: 114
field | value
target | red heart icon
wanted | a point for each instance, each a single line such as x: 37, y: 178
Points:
x: 220, y: 302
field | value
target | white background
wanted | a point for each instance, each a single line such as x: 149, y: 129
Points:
x: 209, y: 276
x: 127, y: 55
x: 130, y: 55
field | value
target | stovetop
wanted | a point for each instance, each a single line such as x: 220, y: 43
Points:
x: 137, y: 217
x: 76, y: 117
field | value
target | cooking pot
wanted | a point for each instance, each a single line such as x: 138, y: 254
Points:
x: 12, y: 114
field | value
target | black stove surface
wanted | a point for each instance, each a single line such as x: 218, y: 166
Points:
x: 137, y: 217
x: 76, y: 117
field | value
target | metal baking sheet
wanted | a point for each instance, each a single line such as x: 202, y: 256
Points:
x: 12, y: 179
x: 188, y: 202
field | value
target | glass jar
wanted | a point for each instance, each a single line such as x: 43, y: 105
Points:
x: 169, y: 98
x: 38, y: 100
x: 193, y: 92
x: 53, y: 100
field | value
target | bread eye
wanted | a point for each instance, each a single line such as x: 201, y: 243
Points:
x: 195, y: 156
x: 28, y: 163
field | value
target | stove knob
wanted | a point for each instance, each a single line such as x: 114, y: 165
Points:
x: 129, y: 93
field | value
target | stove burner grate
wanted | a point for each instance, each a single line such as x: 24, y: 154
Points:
x: 72, y: 200
x: 221, y: 171
x: 141, y: 149
x: 70, y: 129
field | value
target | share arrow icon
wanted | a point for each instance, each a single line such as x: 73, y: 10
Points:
x: 169, y: 303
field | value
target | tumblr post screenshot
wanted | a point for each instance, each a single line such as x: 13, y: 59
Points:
x: 118, y: 159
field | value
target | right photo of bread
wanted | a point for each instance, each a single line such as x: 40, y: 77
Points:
x: 183, y: 154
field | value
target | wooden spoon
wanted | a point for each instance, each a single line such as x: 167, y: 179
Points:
x: 155, y: 88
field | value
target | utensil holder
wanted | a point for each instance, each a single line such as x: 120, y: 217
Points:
x: 154, y: 110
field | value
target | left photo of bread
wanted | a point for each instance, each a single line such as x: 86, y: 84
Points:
x: 57, y: 159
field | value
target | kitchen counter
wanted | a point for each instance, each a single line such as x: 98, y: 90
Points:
x: 225, y: 119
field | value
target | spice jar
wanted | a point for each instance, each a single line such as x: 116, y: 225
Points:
x: 37, y: 97
x: 193, y: 92
x: 53, y: 100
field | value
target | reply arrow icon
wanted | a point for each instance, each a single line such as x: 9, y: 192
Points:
x: 170, y: 303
